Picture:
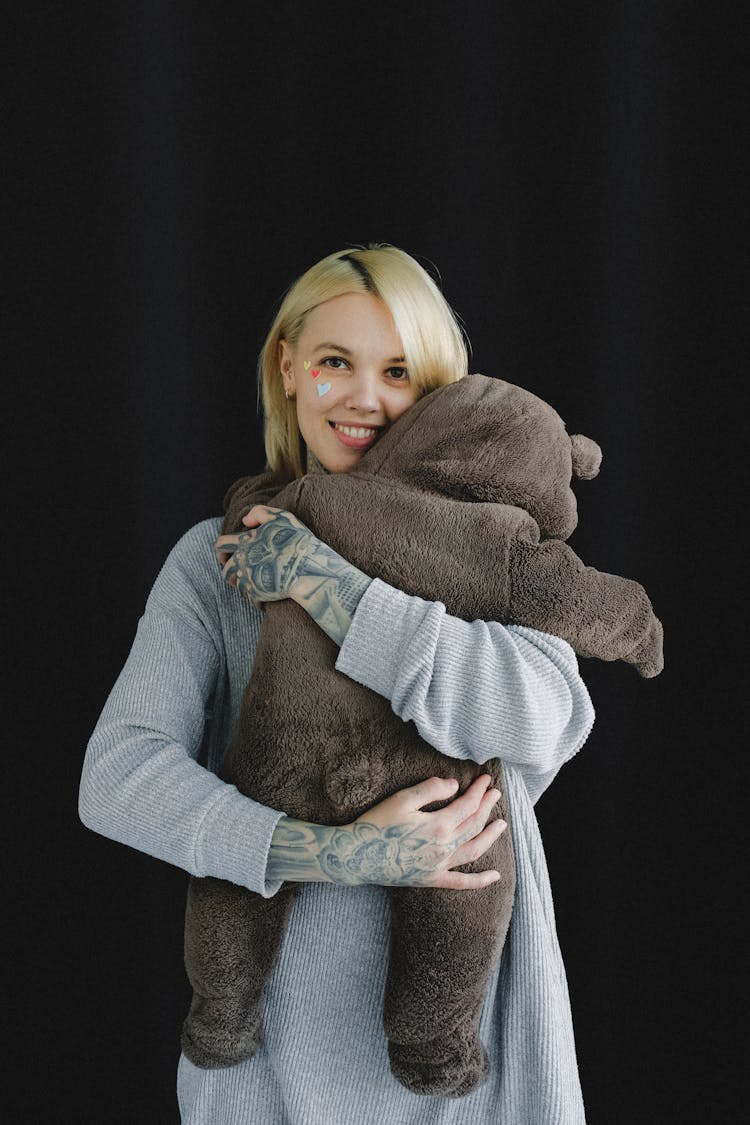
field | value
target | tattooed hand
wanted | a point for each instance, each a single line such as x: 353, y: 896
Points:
x: 395, y: 843
x: 281, y: 558
x: 264, y: 562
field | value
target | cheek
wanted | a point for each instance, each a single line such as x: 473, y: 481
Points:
x: 312, y: 407
x: 401, y: 403
x: 318, y: 379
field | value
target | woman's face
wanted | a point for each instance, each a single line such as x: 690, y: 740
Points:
x: 348, y: 376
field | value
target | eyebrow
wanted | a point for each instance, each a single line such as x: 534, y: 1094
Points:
x: 345, y: 351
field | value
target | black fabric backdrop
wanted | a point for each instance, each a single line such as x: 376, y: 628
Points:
x: 572, y: 172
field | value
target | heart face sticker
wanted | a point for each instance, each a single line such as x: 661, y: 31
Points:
x: 307, y: 364
x: 315, y: 373
x: 323, y: 388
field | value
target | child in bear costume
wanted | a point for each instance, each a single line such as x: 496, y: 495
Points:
x: 466, y: 499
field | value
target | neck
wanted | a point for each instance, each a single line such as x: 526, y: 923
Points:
x: 313, y: 464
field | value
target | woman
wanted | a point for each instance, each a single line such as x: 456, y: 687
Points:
x: 357, y: 339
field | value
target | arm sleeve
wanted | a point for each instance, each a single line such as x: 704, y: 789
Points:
x: 141, y: 784
x: 476, y: 690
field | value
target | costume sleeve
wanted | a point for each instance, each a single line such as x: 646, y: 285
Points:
x: 141, y: 784
x: 599, y: 614
x: 477, y: 689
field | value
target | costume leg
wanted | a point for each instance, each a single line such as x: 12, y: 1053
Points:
x: 232, y: 940
x: 444, y: 945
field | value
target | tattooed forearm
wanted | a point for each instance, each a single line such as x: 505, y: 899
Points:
x: 329, y: 589
x: 399, y: 855
x: 283, y: 559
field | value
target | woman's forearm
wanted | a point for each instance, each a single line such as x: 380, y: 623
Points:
x: 281, y: 558
x: 475, y: 690
x: 395, y: 843
x: 329, y: 589
x: 358, y: 853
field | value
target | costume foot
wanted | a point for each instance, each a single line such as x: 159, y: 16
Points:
x: 218, y: 1042
x: 449, y: 1069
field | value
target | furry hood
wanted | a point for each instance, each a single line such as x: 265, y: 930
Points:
x: 484, y: 440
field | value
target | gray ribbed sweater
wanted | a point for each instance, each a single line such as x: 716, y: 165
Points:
x: 476, y: 690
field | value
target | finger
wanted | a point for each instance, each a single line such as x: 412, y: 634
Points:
x: 477, y: 820
x: 226, y: 544
x: 468, y: 803
x: 478, y: 845
x: 433, y: 789
x: 261, y: 513
x: 230, y: 571
x: 466, y: 880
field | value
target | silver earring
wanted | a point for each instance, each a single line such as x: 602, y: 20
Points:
x: 286, y: 393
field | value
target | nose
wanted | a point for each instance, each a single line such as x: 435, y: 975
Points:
x: 363, y: 392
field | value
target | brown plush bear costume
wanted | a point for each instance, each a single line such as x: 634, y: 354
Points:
x: 466, y: 499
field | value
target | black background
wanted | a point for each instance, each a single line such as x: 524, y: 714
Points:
x: 572, y: 171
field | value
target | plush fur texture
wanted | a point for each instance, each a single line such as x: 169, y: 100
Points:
x: 466, y: 499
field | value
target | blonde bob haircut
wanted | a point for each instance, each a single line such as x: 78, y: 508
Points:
x: 435, y: 347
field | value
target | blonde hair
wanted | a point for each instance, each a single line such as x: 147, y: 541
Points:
x: 436, y: 348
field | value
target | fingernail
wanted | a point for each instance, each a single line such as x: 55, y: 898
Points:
x: 503, y: 824
x: 495, y: 794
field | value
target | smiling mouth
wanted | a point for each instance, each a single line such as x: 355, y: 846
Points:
x: 356, y: 437
x: 356, y: 431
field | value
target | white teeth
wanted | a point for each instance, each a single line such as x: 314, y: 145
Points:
x: 356, y: 431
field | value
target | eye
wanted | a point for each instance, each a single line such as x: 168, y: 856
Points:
x: 330, y: 360
x: 399, y: 373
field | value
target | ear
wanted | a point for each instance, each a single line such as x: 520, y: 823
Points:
x: 587, y: 456
x: 286, y: 365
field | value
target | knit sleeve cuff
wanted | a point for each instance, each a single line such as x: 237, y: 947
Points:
x: 233, y: 841
x: 382, y: 631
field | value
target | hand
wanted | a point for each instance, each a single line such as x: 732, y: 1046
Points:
x: 264, y: 561
x: 283, y: 559
x: 395, y: 843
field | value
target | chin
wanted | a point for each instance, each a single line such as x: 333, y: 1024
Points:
x: 342, y: 464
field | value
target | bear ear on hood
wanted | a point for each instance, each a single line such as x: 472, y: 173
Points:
x: 587, y: 456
